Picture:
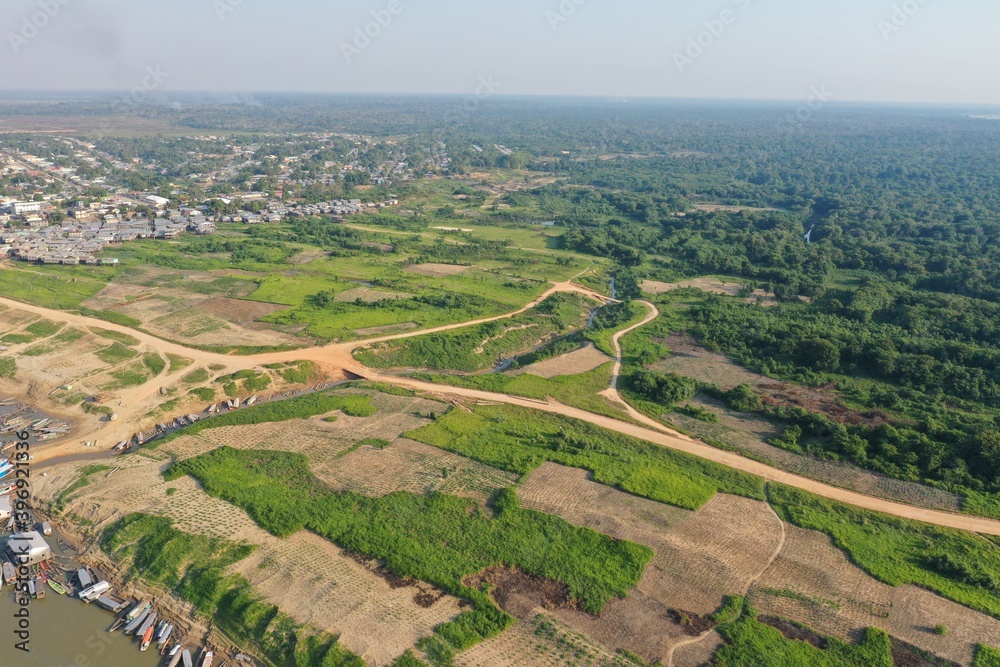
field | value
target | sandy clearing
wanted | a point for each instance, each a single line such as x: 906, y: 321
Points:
x: 584, y: 360
x: 437, y: 270
x: 713, y: 286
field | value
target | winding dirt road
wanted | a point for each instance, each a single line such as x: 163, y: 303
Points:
x: 338, y: 358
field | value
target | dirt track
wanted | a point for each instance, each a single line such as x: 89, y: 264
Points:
x: 338, y: 357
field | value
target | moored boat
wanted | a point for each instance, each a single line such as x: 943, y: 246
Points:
x: 207, y: 661
x: 146, y: 625
x: 175, y: 656
x: 134, y: 624
x: 186, y: 658
x: 147, y: 638
x: 57, y: 587
x: 164, y: 634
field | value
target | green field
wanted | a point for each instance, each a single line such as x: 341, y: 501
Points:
x: 520, y: 440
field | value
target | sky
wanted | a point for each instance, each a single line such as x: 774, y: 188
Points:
x: 936, y: 51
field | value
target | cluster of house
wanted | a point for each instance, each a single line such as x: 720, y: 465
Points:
x: 79, y: 243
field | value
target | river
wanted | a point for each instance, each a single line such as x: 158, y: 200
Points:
x: 65, y: 632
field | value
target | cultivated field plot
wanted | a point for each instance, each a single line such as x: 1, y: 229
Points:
x: 699, y: 652
x: 197, y: 307
x: 318, y: 584
x: 701, y: 557
x: 584, y: 360
x: 569, y: 493
x: 539, y: 642
x: 412, y: 466
x: 814, y: 583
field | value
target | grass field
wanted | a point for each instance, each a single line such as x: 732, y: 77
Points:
x: 49, y: 289
x: 520, y: 440
x: 962, y: 567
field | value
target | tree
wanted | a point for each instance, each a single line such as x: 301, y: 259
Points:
x: 819, y: 354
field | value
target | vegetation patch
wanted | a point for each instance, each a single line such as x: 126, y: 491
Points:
x: 751, y: 643
x: 8, y: 368
x: 196, y: 377
x: 116, y: 354
x: 987, y: 657
x: 154, y: 363
x: 520, y: 440
x: 116, y: 336
x: 178, y: 363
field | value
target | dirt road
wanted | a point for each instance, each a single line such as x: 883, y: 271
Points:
x: 339, y: 357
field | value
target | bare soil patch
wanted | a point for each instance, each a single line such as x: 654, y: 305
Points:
x: 307, y: 257
x: 437, y: 270
x: 238, y: 311
x: 714, y: 208
x: 795, y: 632
x: 369, y: 295
x: 713, y: 286
x: 521, y: 593
x: 392, y: 328
x: 584, y: 360
x: 905, y: 655
x: 700, y: 653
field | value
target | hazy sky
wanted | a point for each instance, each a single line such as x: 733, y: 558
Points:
x: 937, y: 51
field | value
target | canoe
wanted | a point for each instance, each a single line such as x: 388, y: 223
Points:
x: 57, y: 587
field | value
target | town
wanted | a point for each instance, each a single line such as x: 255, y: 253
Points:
x: 66, y: 201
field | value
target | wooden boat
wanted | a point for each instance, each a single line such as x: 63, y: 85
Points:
x: 146, y: 625
x: 40, y: 588
x: 147, y: 639
x: 134, y: 624
x: 186, y: 658
x: 9, y: 573
x: 31, y: 587
x: 166, y: 646
x: 57, y: 587
x: 175, y: 656
x: 207, y: 661
x: 163, y: 636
